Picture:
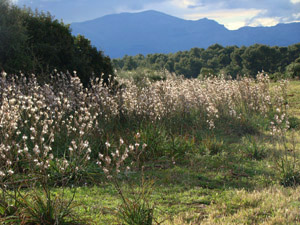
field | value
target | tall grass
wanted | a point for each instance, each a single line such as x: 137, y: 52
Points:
x: 50, y: 134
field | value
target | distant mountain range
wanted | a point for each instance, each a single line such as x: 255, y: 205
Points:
x: 155, y: 32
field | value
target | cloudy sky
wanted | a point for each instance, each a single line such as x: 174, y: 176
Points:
x: 232, y: 13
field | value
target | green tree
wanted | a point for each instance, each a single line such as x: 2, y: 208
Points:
x: 293, y: 52
x: 293, y: 69
x: 13, y: 37
x: 129, y: 63
x: 260, y: 57
x: 89, y: 62
x: 231, y: 60
x: 206, y: 72
x: 34, y: 42
x: 50, y: 42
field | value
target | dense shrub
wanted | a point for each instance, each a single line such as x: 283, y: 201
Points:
x: 34, y: 42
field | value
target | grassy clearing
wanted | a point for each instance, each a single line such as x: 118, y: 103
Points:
x: 216, y: 164
x: 228, y: 187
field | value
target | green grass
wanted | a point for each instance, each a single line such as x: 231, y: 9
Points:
x: 294, y: 96
x: 216, y: 178
x: 225, y: 187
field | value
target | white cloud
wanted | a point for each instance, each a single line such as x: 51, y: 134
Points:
x: 184, y: 3
x: 250, y: 12
x: 267, y: 21
x: 295, y: 1
x: 232, y: 13
x: 231, y: 18
x: 296, y: 15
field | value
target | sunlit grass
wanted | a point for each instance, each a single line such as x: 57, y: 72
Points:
x: 206, y: 146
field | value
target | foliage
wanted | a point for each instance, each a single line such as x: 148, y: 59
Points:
x: 39, y: 208
x: 253, y: 148
x: 287, y: 163
x: 34, y: 42
x: 195, y: 136
x: 13, y: 38
x: 138, y: 210
x: 280, y: 62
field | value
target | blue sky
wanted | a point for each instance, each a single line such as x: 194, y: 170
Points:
x: 232, y: 13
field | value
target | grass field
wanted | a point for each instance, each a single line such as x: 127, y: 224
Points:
x: 215, y: 164
x: 223, y: 188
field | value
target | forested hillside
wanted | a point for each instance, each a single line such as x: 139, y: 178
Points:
x: 216, y: 59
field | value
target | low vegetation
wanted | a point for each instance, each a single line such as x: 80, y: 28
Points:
x: 148, y: 151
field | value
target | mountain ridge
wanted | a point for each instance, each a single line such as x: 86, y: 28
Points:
x: 156, y: 32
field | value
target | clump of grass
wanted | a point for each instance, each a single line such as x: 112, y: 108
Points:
x: 294, y: 123
x: 213, y: 146
x: 138, y: 210
x: 46, y: 208
x: 253, y: 149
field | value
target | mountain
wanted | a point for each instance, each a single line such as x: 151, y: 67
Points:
x: 155, y: 32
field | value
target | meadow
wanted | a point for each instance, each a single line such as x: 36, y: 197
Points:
x: 152, y: 149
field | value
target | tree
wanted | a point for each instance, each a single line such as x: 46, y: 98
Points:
x: 89, y: 62
x: 260, y: 57
x: 34, y: 42
x: 13, y: 37
x: 293, y: 70
x: 231, y: 60
x: 129, y: 63
x: 206, y: 72
x: 50, y: 42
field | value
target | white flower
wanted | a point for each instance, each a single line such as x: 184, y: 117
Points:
x: 10, y: 172
x: 24, y: 137
x: 108, y: 159
x: 86, y: 144
x: 131, y: 147
x: 105, y: 170
x: 36, y: 149
x: 107, y: 144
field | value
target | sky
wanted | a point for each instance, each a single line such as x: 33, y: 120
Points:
x: 231, y: 13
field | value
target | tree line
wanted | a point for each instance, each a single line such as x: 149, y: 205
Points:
x: 277, y: 61
x: 36, y: 42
